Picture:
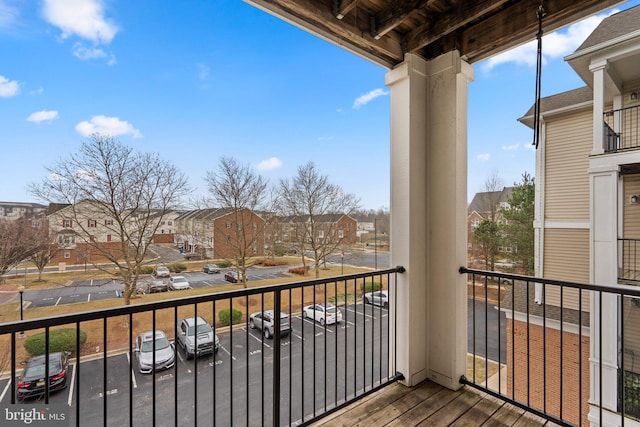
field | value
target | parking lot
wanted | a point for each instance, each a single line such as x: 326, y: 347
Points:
x: 318, y: 366
x: 91, y: 290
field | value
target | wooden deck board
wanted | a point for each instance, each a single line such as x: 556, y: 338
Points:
x: 429, y: 404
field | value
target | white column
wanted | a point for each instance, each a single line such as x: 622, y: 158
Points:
x: 604, y: 271
x: 598, y: 70
x: 428, y: 215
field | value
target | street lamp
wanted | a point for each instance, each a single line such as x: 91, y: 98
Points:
x: 342, y: 263
x: 375, y: 242
x: 21, y: 291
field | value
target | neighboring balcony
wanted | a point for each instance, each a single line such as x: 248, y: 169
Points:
x: 527, y: 362
x: 622, y: 129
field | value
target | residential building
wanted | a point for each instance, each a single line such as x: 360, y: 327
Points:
x: 221, y: 233
x: 487, y: 205
x: 14, y: 210
x: 327, y: 229
x: 587, y: 221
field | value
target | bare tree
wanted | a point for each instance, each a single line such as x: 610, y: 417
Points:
x: 19, y: 240
x: 42, y: 257
x: 312, y: 205
x: 490, y: 197
x: 240, y: 190
x: 129, y: 191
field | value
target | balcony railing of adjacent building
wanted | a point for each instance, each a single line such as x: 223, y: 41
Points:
x: 290, y: 379
x: 541, y: 345
x: 622, y: 129
x: 629, y: 261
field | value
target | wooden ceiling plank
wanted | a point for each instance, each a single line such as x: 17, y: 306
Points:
x: 344, y: 7
x: 393, y: 15
x: 448, y: 23
x: 518, y: 24
x: 318, y: 17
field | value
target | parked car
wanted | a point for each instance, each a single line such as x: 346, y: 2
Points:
x: 265, y: 321
x: 153, y: 285
x: 210, y: 268
x: 191, y: 256
x: 232, y: 276
x: 165, y: 356
x: 161, y: 271
x: 196, y: 333
x: 323, y: 313
x: 377, y: 298
x: 178, y: 283
x: 32, y: 381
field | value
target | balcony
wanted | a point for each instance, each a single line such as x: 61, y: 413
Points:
x: 528, y: 355
x: 622, y: 129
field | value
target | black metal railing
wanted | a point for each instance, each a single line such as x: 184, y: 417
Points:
x: 530, y: 344
x: 629, y: 260
x: 251, y: 379
x: 621, y: 129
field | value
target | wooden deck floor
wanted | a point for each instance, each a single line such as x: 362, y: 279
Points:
x: 430, y: 404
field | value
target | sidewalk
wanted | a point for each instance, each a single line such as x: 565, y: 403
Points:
x: 8, y: 293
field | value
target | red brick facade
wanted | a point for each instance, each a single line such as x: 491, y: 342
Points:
x: 544, y: 370
x: 225, y: 238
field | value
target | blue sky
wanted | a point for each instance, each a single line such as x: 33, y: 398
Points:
x: 196, y: 80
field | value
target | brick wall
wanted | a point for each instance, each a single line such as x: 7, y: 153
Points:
x: 540, y: 388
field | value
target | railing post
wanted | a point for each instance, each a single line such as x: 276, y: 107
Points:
x: 276, y: 357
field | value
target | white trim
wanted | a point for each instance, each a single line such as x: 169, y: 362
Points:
x: 567, y: 224
x: 550, y: 323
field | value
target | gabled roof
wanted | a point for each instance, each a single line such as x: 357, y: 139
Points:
x: 208, y: 214
x: 481, y: 201
x: 612, y: 27
x: 324, y: 218
x: 580, y: 96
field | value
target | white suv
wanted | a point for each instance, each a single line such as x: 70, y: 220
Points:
x: 189, y: 337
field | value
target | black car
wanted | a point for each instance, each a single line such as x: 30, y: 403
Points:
x: 210, y: 268
x: 32, y: 381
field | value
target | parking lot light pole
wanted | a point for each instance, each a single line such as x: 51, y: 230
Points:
x: 21, y: 291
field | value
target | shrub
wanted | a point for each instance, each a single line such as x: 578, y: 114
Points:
x: 370, y: 286
x: 224, y: 264
x: 177, y: 267
x: 59, y: 340
x: 303, y: 271
x: 146, y: 269
x: 268, y: 262
x: 223, y: 316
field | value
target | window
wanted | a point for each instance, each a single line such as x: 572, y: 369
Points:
x: 340, y: 234
x: 255, y: 226
x: 228, y: 225
x: 108, y: 237
x: 91, y: 223
x: 67, y: 223
x: 320, y: 234
x: 255, y: 250
x: 169, y: 222
x: 108, y: 222
x: 67, y: 254
x: 475, y: 222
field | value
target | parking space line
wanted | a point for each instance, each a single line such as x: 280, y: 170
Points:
x: 88, y: 297
x: 73, y: 380
x: 5, y: 389
x: 259, y: 340
x: 227, y: 351
x: 133, y: 373
x: 59, y: 298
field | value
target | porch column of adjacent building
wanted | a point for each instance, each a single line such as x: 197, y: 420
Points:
x: 603, y: 307
x: 428, y: 215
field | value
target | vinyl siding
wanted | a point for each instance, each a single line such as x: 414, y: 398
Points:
x: 568, y: 145
x: 566, y: 257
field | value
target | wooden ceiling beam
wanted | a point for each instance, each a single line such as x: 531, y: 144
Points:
x: 342, y: 7
x: 450, y: 22
x: 518, y: 24
x: 393, y: 15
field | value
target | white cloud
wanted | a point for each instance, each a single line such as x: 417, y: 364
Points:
x: 269, y: 164
x: 85, y: 53
x: 81, y: 18
x: 8, y: 88
x: 38, y: 91
x: 554, y: 45
x: 484, y: 157
x: 512, y: 147
x: 112, y: 126
x: 8, y: 15
x: 42, y: 116
x: 203, y: 72
x: 368, y: 97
